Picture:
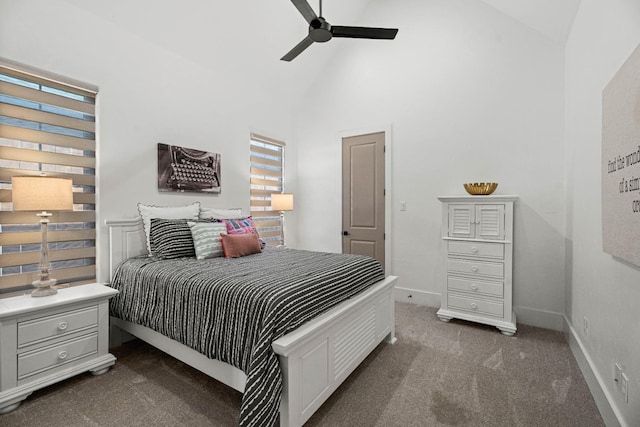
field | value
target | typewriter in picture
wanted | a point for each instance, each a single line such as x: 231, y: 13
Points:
x: 191, y: 170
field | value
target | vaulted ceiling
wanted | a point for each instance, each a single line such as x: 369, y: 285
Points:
x: 233, y: 39
x: 553, y: 18
x: 252, y: 31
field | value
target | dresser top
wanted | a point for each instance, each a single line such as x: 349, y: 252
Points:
x: 26, y: 303
x: 466, y: 198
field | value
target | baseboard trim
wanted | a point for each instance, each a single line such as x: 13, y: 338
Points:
x: 604, y: 401
x: 525, y: 315
x: 540, y: 318
x: 414, y: 296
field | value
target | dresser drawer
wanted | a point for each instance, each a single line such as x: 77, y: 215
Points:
x: 36, y: 361
x: 474, y: 305
x: 476, y: 268
x: 475, y: 286
x: 43, y: 328
x: 490, y: 250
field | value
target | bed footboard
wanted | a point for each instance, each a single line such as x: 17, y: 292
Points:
x: 318, y: 357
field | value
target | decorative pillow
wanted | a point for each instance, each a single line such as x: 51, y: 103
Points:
x: 240, y: 226
x: 206, y: 213
x: 171, y: 238
x: 206, y: 238
x: 166, y: 212
x: 237, y: 245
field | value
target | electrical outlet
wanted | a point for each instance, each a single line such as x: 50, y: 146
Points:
x: 624, y: 387
x: 617, y: 374
x: 585, y: 326
x: 403, y: 206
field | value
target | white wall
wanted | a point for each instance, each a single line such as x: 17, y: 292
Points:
x: 149, y: 92
x: 601, y: 288
x: 468, y: 93
x: 471, y: 95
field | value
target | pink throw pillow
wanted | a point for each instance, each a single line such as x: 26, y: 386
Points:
x: 240, y: 226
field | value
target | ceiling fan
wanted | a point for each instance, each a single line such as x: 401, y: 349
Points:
x: 321, y: 31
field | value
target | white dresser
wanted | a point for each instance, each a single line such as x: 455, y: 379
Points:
x: 47, y: 339
x: 477, y: 249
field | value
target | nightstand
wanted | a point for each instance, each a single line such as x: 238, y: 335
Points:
x: 49, y: 339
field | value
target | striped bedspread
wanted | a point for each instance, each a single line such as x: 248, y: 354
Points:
x: 233, y: 309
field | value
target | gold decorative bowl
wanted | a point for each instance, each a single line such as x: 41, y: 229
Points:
x: 481, y: 188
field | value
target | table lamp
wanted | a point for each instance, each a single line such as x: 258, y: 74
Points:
x: 42, y: 194
x: 282, y: 202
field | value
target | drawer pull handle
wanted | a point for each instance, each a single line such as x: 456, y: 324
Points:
x: 474, y: 269
x: 474, y: 287
x: 62, y: 326
x: 474, y: 306
x: 62, y: 355
x: 474, y: 250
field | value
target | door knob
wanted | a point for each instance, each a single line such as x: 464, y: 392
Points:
x: 345, y: 233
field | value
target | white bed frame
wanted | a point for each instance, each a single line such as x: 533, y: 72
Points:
x: 315, y: 358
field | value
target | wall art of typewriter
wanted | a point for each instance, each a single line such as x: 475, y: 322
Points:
x: 187, y: 169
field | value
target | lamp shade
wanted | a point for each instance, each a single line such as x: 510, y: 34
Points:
x: 41, y: 193
x: 282, y: 201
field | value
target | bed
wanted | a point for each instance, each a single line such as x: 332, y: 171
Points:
x: 313, y: 359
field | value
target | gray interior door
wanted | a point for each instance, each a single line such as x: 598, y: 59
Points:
x: 363, y: 195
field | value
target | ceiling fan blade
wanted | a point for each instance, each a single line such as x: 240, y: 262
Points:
x: 300, y: 47
x: 364, y: 32
x: 304, y: 8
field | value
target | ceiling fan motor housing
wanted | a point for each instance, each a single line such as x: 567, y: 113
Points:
x: 320, y: 30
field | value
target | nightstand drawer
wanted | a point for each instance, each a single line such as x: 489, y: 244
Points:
x: 474, y: 305
x: 475, y: 286
x: 57, y: 325
x: 479, y: 268
x: 490, y: 250
x: 33, y: 362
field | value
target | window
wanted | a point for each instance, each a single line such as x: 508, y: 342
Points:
x: 267, y: 177
x: 46, y: 127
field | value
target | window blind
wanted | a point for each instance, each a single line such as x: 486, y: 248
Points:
x: 267, y: 177
x: 46, y: 127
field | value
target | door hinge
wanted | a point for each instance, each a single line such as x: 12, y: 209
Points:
x: 384, y: 236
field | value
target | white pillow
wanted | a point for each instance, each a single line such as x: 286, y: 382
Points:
x: 207, y: 213
x: 206, y: 238
x: 166, y: 212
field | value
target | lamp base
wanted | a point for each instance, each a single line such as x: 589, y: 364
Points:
x: 44, y: 288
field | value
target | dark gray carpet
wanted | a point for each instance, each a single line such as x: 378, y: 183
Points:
x: 437, y: 374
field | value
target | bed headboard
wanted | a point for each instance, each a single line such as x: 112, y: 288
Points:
x: 126, y: 240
